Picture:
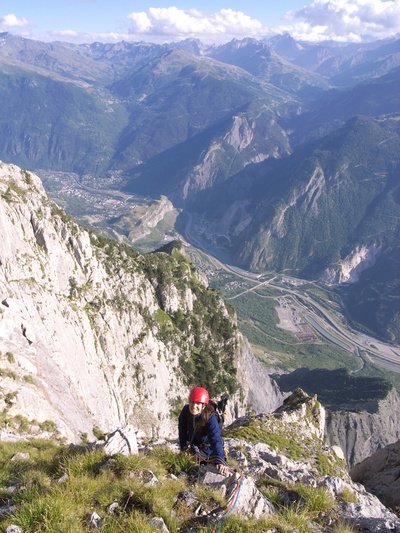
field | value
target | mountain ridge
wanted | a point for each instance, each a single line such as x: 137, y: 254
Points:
x: 171, y: 120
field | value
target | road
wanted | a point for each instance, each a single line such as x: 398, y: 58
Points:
x: 378, y: 352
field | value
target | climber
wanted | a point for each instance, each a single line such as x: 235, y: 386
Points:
x: 198, y: 427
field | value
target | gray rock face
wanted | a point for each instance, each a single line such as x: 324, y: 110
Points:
x: 368, y: 513
x: 14, y: 529
x: 81, y: 336
x: 264, y: 394
x: 380, y: 474
x: 360, y: 434
x: 158, y: 524
x: 350, y: 268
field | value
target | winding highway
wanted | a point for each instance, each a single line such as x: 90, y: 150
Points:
x: 322, y: 320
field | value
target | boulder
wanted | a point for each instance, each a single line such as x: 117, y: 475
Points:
x: 380, y: 474
x: 158, y: 524
x: 122, y: 440
x: 242, y: 496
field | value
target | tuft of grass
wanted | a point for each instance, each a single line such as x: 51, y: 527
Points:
x: 274, y: 435
x: 4, y: 373
x: 315, y: 501
x: 48, y: 425
x: 348, y: 496
x: 10, y: 357
x: 209, y: 497
x: 273, y: 494
x: 236, y: 524
x: 98, y: 433
x: 343, y: 527
x: 41, y: 514
x: 12, y: 192
x: 172, y: 462
x: 328, y: 464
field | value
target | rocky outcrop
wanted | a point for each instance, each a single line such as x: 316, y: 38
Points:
x: 243, y: 142
x: 361, y: 433
x: 299, y: 407
x: 241, y: 135
x: 350, y: 267
x: 155, y: 212
x: 93, y: 334
x: 264, y: 394
x: 249, y: 501
x: 122, y: 440
x: 380, y: 474
x: 265, y: 456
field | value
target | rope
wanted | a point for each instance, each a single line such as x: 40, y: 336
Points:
x: 231, y: 504
x: 232, y: 500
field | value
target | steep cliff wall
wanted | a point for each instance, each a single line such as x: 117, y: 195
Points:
x: 361, y: 433
x: 93, y: 334
x: 380, y: 474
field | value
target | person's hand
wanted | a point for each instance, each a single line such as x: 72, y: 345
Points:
x: 222, y: 469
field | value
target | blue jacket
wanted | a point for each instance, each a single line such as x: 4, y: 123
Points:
x: 208, y: 439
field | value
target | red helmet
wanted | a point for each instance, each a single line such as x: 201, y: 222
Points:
x: 199, y: 395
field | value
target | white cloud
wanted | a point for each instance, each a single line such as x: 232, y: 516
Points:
x: 173, y: 24
x: 141, y: 22
x: 72, y: 36
x: 320, y: 20
x: 344, y: 20
x: 66, y: 34
x: 12, y: 21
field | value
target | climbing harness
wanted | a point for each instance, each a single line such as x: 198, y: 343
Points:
x: 202, y: 458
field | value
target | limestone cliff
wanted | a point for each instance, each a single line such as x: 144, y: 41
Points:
x: 361, y: 433
x: 94, y: 334
x: 380, y: 474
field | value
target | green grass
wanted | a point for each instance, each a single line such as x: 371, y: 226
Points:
x: 57, y: 488
x: 92, y: 483
x: 349, y: 496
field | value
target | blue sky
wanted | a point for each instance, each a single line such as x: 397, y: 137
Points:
x: 215, y: 21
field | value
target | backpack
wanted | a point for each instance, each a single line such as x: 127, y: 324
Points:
x: 220, y: 409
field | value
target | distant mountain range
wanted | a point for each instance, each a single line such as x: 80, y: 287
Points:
x: 285, y: 153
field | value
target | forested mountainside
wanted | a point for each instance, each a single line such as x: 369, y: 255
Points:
x: 246, y: 138
x: 331, y: 212
x: 95, y: 335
